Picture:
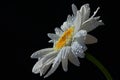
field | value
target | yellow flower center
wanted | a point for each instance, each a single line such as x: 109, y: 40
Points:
x: 65, y: 38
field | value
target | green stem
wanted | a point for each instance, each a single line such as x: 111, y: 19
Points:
x: 99, y: 65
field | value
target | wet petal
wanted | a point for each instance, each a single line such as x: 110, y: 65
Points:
x: 81, y: 33
x: 78, y: 49
x: 80, y: 37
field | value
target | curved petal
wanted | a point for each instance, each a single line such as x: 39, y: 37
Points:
x: 90, y: 39
x: 41, y: 52
x: 85, y: 12
x: 37, y: 66
x: 77, y: 22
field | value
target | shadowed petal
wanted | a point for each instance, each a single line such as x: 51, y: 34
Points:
x: 90, y: 39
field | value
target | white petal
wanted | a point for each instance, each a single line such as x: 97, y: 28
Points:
x: 91, y: 24
x: 85, y: 12
x: 65, y: 58
x: 41, y: 52
x: 77, y: 22
x: 55, y: 63
x: 70, y: 20
x: 73, y: 59
x: 52, y: 36
x: 65, y: 64
x: 58, y: 31
x: 74, y: 9
x: 65, y: 26
x: 80, y: 37
x: 39, y: 64
x: 49, y: 55
x: 90, y: 39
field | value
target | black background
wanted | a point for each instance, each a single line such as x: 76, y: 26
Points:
x: 25, y: 25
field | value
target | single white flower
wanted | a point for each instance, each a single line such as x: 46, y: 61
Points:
x: 68, y: 41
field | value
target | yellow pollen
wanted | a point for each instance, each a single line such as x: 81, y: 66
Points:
x: 64, y: 39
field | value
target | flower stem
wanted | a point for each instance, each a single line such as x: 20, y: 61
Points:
x: 99, y: 65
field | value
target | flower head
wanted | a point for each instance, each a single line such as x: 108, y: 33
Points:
x: 68, y: 41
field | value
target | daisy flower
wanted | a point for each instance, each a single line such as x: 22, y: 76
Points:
x: 69, y: 41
